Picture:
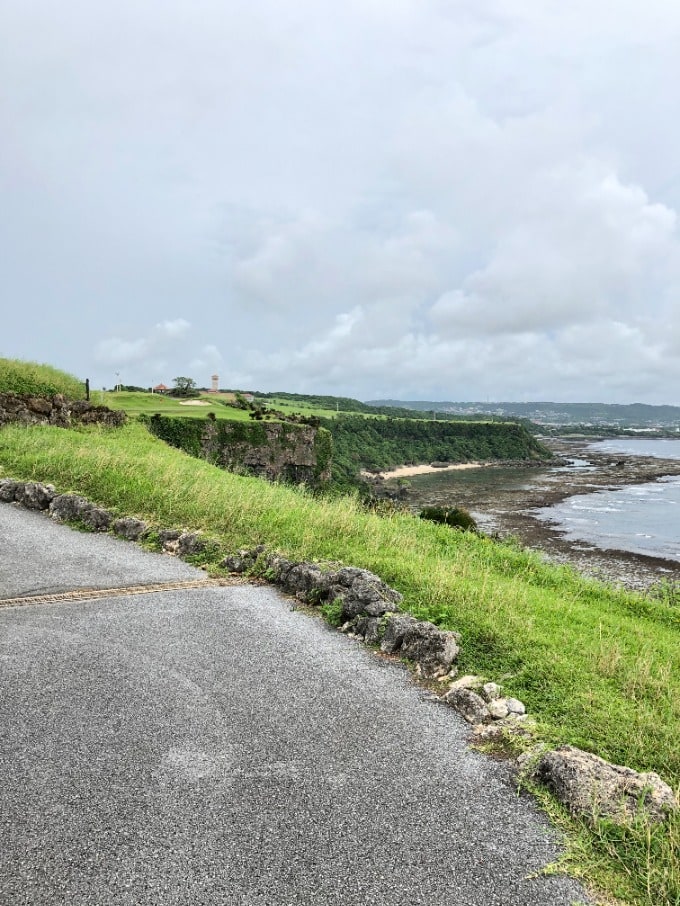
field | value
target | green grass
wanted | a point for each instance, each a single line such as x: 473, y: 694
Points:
x: 136, y: 403
x: 41, y: 380
x: 598, y: 667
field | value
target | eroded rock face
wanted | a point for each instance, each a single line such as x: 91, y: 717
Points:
x: 588, y: 785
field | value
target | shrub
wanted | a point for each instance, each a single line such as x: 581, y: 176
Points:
x: 456, y: 517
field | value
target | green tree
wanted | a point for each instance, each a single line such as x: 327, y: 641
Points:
x: 184, y: 386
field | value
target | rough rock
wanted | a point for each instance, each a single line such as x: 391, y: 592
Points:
x: 515, y: 706
x: 8, y: 489
x: 130, y: 528
x: 588, y: 785
x: 498, y: 708
x: 432, y: 649
x: 306, y: 581
x: 362, y: 592
x: 34, y: 496
x: 38, y: 405
x: 468, y: 703
x: 367, y: 628
x: 73, y: 508
x: 26, y: 409
x: 234, y: 564
x: 491, y: 692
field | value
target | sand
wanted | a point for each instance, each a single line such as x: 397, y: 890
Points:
x: 407, y: 471
x: 194, y: 403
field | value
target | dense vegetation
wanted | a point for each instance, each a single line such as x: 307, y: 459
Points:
x: 38, y: 380
x: 599, y: 668
x: 382, y: 443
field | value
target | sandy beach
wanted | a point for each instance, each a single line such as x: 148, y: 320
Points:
x: 407, y: 471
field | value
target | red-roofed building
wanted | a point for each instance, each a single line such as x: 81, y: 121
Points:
x: 160, y: 388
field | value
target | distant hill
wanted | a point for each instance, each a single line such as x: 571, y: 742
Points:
x: 639, y: 415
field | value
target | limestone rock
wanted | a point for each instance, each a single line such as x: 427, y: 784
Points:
x: 432, y: 649
x: 515, y: 706
x: 73, y: 508
x: 472, y: 706
x: 491, y: 692
x: 130, y: 528
x: 588, y: 785
x: 8, y: 489
x: 362, y: 592
x: 498, y: 708
x: 35, y: 496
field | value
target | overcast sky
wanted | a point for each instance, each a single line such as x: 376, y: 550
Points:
x: 421, y: 199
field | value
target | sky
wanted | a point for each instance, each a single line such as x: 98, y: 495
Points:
x: 413, y: 199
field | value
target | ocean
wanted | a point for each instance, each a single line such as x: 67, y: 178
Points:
x: 643, y: 519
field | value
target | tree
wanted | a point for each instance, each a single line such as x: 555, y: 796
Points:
x: 184, y: 386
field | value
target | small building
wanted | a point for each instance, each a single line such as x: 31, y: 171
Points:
x: 160, y: 388
x: 215, y: 383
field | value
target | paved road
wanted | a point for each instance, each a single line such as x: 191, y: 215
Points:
x: 213, y: 746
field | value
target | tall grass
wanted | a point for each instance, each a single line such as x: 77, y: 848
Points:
x: 39, y: 380
x: 598, y: 667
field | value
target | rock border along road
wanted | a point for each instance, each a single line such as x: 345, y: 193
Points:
x: 211, y: 745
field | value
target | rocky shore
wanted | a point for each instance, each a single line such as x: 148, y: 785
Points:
x: 511, y: 512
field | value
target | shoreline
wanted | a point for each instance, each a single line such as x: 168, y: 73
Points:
x: 409, y: 471
x: 510, y: 511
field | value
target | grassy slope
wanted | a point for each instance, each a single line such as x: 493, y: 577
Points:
x: 42, y: 380
x: 599, y: 668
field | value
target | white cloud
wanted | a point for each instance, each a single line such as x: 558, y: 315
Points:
x: 399, y: 198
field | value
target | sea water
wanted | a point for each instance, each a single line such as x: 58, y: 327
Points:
x: 644, y: 518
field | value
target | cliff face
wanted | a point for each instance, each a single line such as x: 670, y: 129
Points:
x: 273, y: 450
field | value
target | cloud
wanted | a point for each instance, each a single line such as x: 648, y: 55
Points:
x: 172, y: 329
x: 410, y: 198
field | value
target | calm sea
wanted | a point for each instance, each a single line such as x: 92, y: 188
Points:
x: 642, y: 518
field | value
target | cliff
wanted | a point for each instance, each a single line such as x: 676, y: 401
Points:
x: 274, y: 450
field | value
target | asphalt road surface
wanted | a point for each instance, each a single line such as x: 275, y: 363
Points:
x: 215, y: 746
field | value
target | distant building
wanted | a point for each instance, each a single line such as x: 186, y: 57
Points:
x: 160, y: 388
x: 215, y: 385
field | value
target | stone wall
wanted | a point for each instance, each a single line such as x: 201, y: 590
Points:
x: 56, y: 410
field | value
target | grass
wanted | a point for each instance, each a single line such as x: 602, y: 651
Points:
x: 137, y: 403
x: 598, y: 667
x: 41, y: 380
